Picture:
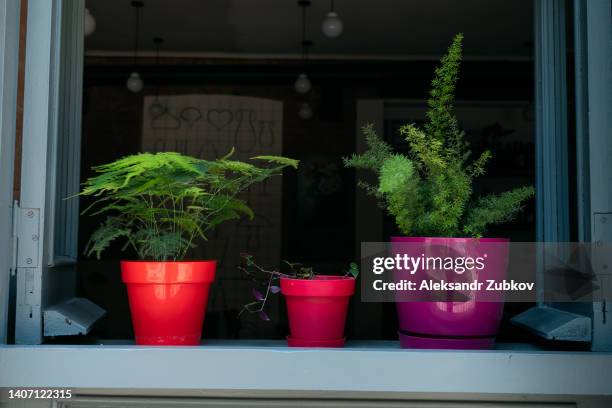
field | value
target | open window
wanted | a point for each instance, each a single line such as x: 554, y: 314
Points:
x: 238, y: 90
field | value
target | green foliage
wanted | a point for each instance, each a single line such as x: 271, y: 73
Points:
x: 353, y: 270
x: 160, y: 203
x: 442, y: 124
x: 378, y: 152
x: 493, y: 208
x: 396, y: 182
x: 429, y: 191
x: 299, y: 271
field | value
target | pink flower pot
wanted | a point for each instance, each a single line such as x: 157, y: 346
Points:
x: 317, y: 309
x: 469, y: 324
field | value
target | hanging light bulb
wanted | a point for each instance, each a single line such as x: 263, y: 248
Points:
x: 305, y: 112
x: 90, y: 23
x: 332, y: 26
x: 134, y: 83
x: 302, y: 84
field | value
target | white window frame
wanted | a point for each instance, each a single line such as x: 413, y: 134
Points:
x: 40, y: 111
x: 244, y: 368
x: 41, y: 177
x: 47, y: 223
x: 9, y: 68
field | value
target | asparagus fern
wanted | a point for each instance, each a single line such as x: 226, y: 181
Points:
x: 160, y: 203
x: 429, y: 191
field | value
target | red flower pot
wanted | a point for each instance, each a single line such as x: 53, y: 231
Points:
x: 168, y: 300
x: 317, y: 309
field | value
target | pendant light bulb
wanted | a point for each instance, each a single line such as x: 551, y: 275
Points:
x: 90, y: 23
x: 302, y: 84
x: 305, y: 112
x: 332, y: 26
x: 134, y: 82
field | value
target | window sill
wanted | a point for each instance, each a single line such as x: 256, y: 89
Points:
x: 375, y: 366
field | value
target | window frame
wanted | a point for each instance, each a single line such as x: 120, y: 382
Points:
x: 44, y: 54
x: 375, y: 368
x: 9, y: 71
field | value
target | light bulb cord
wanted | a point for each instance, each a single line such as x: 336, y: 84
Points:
x: 332, y: 6
x: 305, y: 61
x: 136, y: 36
x: 305, y: 43
x: 303, y: 35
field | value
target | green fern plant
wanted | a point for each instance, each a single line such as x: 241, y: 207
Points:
x: 429, y: 191
x: 160, y: 203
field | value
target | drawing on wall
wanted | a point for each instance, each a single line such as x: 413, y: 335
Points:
x: 209, y: 126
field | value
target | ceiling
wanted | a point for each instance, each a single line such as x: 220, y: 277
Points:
x: 386, y: 29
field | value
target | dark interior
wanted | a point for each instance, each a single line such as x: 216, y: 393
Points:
x: 318, y: 201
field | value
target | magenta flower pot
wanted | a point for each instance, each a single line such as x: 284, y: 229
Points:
x: 469, y: 324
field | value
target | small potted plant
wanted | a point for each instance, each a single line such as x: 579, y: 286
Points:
x: 159, y: 204
x: 429, y: 193
x: 317, y: 305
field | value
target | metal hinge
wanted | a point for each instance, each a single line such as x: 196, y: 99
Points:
x: 26, y: 237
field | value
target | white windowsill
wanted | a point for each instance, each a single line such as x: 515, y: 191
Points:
x: 375, y: 366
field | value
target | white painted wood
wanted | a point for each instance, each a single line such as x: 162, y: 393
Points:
x: 39, y: 135
x: 127, y: 398
x: 259, y: 366
x: 66, y: 211
x: 555, y: 324
x: 51, y: 152
x: 599, y: 52
x: 160, y: 402
x: 71, y: 317
x: 9, y: 45
x: 583, y: 193
x: 26, y: 224
x: 552, y: 201
x: 552, y: 197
